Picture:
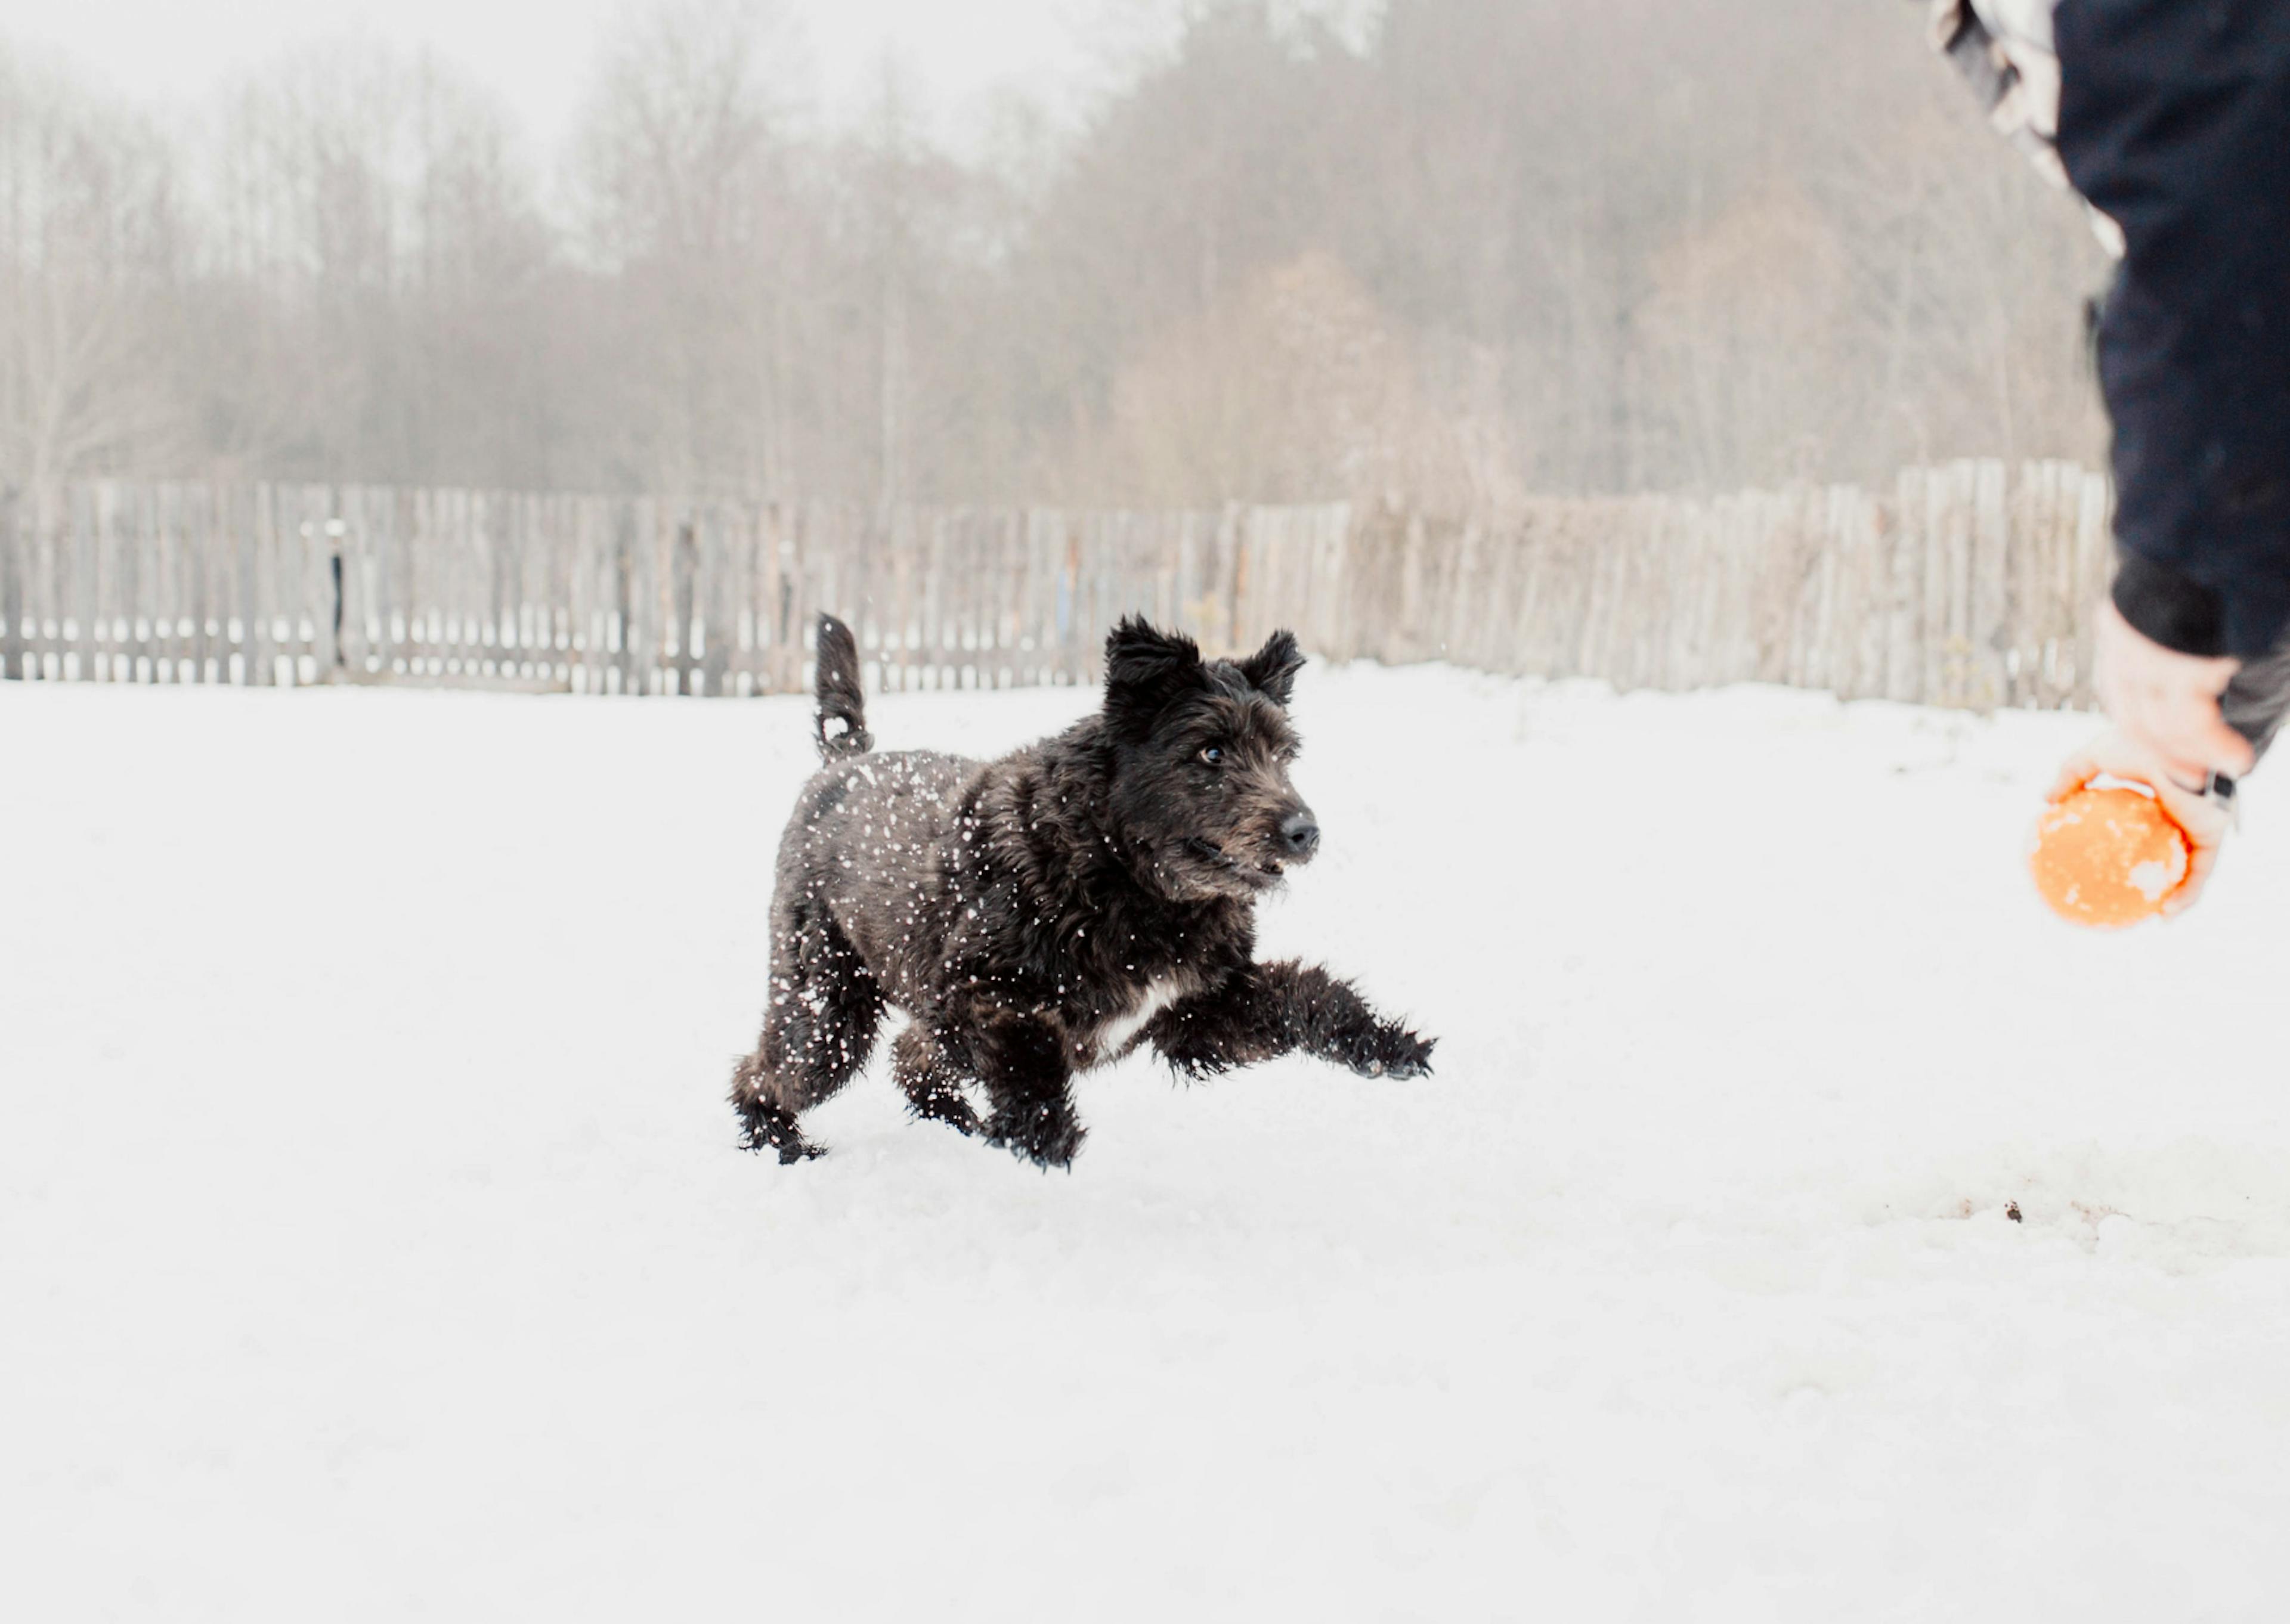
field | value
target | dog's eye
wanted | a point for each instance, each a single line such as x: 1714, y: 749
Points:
x: 1214, y: 755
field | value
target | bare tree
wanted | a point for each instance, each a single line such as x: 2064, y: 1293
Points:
x: 1426, y: 250
x: 88, y: 238
x: 684, y: 164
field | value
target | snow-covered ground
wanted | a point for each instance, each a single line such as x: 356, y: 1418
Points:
x: 371, y: 1244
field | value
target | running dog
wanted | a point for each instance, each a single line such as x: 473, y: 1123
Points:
x: 1048, y: 912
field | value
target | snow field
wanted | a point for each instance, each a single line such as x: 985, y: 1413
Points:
x: 373, y: 1246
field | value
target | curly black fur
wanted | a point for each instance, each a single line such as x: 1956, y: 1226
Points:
x: 1046, y: 913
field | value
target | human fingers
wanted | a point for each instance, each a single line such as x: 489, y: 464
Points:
x: 2076, y: 771
x: 2110, y: 751
x: 2201, y: 860
x: 2205, y: 821
x: 2181, y: 790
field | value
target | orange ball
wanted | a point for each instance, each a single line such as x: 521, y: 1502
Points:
x: 2108, y: 858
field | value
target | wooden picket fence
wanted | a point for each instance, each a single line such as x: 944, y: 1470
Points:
x: 1966, y: 585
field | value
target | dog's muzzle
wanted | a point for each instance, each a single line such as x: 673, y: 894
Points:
x: 1299, y: 835
x: 1260, y: 865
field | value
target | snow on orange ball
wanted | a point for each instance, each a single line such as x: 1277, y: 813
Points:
x: 2108, y: 858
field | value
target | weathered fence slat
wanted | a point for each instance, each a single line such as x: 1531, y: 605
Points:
x: 1965, y: 584
x: 12, y: 585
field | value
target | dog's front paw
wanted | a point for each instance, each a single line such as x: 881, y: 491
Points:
x: 1046, y: 1135
x: 766, y: 1129
x: 788, y: 1144
x: 1394, y: 1051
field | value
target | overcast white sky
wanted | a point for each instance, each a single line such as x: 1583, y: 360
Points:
x: 537, y: 53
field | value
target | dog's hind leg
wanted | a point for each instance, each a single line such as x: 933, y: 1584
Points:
x: 764, y: 1123
x: 927, y: 1075
x: 818, y: 1031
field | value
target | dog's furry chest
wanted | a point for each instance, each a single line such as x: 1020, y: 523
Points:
x: 1117, y: 1034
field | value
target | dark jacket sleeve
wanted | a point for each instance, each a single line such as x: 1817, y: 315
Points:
x: 2174, y: 119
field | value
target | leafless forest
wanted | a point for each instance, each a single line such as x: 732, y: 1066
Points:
x: 1491, y: 250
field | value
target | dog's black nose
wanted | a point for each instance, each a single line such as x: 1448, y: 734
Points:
x: 1300, y: 836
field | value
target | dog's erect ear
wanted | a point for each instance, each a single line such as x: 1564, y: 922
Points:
x: 1272, y: 669
x: 1145, y: 671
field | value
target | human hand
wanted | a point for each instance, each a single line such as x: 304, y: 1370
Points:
x: 2166, y: 702
x: 2204, y: 820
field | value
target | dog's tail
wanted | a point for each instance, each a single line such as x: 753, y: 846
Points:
x: 842, y: 701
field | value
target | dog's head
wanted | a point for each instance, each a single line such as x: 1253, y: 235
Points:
x: 1201, y: 751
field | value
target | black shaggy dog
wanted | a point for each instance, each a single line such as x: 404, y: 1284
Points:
x: 1043, y: 914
